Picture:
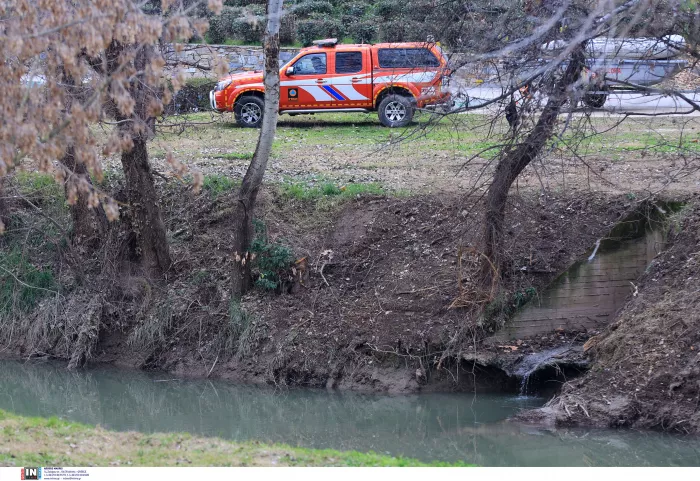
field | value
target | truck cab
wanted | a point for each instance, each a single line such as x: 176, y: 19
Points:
x: 391, y: 78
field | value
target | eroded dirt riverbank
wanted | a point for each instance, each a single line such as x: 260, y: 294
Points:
x: 371, y: 307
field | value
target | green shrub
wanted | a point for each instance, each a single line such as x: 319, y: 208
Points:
x: 192, y: 97
x: 310, y: 30
x: 404, y: 30
x: 393, y: 31
x: 272, y: 260
x: 221, y: 27
x: 356, y: 10
x: 248, y: 32
x: 288, y: 30
x: 217, y: 33
x: 362, y: 32
x: 313, y: 6
x: 389, y: 9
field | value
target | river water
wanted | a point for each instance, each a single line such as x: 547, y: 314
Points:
x: 447, y: 427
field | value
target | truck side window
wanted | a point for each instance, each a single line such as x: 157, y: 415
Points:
x: 406, y: 58
x: 311, y: 64
x: 348, y: 62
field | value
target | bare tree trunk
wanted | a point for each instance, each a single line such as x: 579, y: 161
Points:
x: 514, y: 161
x: 145, y: 212
x: 89, y: 224
x: 245, y: 205
x: 4, y: 211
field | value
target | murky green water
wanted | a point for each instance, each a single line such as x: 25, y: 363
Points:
x: 429, y: 426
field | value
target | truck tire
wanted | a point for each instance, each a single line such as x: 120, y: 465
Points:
x: 249, y: 111
x: 396, y: 111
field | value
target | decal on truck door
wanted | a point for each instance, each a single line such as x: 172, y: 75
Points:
x: 352, y: 85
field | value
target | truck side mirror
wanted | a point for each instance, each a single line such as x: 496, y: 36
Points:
x: 290, y: 71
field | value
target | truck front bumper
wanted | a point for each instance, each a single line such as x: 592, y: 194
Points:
x: 212, y: 101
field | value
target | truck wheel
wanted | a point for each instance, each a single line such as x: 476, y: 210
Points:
x: 395, y: 111
x: 249, y: 111
x: 595, y: 101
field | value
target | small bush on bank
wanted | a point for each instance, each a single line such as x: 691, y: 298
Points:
x: 272, y: 260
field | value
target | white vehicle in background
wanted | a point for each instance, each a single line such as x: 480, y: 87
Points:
x: 612, y: 65
x: 628, y: 64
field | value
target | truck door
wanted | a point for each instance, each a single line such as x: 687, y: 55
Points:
x: 302, y: 82
x: 352, y: 79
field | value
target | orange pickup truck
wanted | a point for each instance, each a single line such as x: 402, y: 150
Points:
x: 391, y: 78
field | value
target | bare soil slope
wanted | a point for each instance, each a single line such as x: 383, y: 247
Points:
x: 372, y: 312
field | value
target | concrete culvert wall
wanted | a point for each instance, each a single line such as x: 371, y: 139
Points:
x: 589, y: 293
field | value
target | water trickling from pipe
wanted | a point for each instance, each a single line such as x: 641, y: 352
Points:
x: 534, y: 362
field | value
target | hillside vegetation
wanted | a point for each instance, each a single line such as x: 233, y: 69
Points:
x: 354, y: 21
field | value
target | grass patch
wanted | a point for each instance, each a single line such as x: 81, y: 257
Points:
x: 41, y: 189
x: 239, y: 331
x: 54, y: 442
x: 304, y: 191
x: 22, y: 285
x: 34, y: 182
x: 232, y: 156
x: 217, y: 184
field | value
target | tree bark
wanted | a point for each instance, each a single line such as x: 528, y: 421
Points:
x: 247, y: 195
x: 89, y: 224
x: 4, y: 211
x: 144, y: 210
x: 514, y: 161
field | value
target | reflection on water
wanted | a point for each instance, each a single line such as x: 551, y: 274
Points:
x: 446, y: 427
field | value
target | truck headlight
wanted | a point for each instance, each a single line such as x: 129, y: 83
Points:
x: 222, y: 85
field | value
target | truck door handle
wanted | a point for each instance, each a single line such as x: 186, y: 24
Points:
x: 355, y: 79
x: 320, y: 81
